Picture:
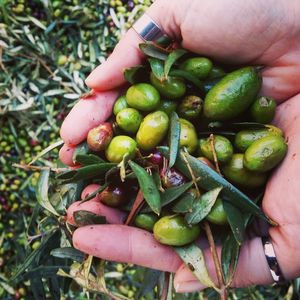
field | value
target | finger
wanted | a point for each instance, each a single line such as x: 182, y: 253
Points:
x: 252, y: 268
x: 87, y: 114
x: 109, y: 75
x: 66, y: 154
x: 94, y: 205
x: 123, y: 243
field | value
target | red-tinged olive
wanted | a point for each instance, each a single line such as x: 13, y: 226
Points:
x: 156, y: 158
x: 113, y: 196
x: 98, y: 138
x: 172, y: 177
x: 206, y: 161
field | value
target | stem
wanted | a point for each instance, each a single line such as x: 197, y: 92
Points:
x: 38, y: 168
x: 219, y: 271
x: 135, y: 207
x: 165, y: 290
x: 212, y: 144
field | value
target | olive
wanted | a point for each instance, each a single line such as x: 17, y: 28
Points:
x: 216, y: 72
x: 143, y: 96
x: 245, y: 138
x: 217, y: 215
x: 190, y: 107
x: 206, y: 161
x: 171, y: 88
x: 120, y: 146
x: 113, y: 196
x: 129, y: 119
x: 120, y: 104
x: 265, y: 153
x: 263, y: 110
x: 145, y: 221
x: 153, y: 129
x: 171, y: 177
x: 223, y: 148
x: 98, y: 138
x: 198, y: 66
x: 236, y: 173
x: 156, y: 158
x: 167, y: 106
x: 173, y: 231
x: 188, y: 135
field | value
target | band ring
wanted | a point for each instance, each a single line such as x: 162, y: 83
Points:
x: 149, y: 31
x: 272, y: 260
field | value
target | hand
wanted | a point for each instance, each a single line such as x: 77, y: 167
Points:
x: 247, y: 32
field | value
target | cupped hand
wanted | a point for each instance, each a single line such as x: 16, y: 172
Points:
x: 231, y: 31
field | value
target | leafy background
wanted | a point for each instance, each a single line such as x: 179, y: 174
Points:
x: 47, y: 48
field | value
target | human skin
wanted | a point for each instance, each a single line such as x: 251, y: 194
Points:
x: 240, y: 32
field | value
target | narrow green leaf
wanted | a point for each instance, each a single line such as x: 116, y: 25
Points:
x: 157, y: 68
x: 174, y: 138
x: 37, y: 287
x: 88, y: 159
x: 202, y: 206
x: 189, y: 77
x: 42, y: 192
x: 151, y: 50
x: 193, y: 258
x: 184, y: 203
x: 80, y: 149
x: 70, y: 253
x: 84, y: 217
x: 150, y: 280
x: 209, y: 179
x: 172, y: 58
x: 86, y: 172
x: 171, y: 194
x: 236, y: 221
x: 135, y: 74
x: 148, y: 187
x: 229, y: 256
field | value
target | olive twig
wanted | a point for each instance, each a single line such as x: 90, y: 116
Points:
x: 219, y: 271
x: 39, y: 168
x: 135, y: 207
x: 212, y: 144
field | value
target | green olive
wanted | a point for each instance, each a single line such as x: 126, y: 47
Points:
x: 145, y: 221
x: 263, y: 110
x: 167, y: 106
x: 237, y: 174
x: 223, y: 148
x: 120, y: 146
x: 129, y: 119
x: 173, y: 231
x: 198, y: 66
x: 98, y: 138
x: 171, y: 88
x: 143, y: 96
x: 120, y: 104
x: 113, y: 196
x: 265, y: 153
x: 217, y: 214
x: 188, y: 135
x: 153, y: 129
x: 190, y: 107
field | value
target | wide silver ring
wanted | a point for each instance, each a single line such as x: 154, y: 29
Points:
x: 272, y: 260
x: 149, y: 31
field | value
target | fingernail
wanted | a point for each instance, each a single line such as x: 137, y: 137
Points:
x: 189, y: 286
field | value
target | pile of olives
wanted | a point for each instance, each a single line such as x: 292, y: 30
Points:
x: 225, y: 124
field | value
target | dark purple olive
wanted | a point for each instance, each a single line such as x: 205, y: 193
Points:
x: 171, y: 178
x: 156, y: 158
x: 113, y: 196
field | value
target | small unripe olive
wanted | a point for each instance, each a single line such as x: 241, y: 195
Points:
x: 98, y: 138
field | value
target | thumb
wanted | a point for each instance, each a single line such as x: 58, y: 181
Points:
x: 109, y: 75
x: 252, y: 269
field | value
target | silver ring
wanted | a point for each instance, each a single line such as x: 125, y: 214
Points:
x: 149, y: 31
x: 272, y: 260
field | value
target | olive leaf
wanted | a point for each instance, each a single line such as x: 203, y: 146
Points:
x: 171, y: 59
x: 229, y: 256
x: 88, y: 159
x: 202, y: 206
x: 135, y: 74
x: 189, y: 77
x: 236, y: 126
x: 209, y: 179
x: 236, y: 221
x: 148, y: 187
x: 80, y: 149
x: 184, y: 203
x: 69, y: 253
x: 86, y: 172
x: 84, y: 217
x: 157, y: 68
x: 193, y: 258
x: 150, y: 280
x: 152, y: 50
x: 42, y: 192
x: 174, y: 138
